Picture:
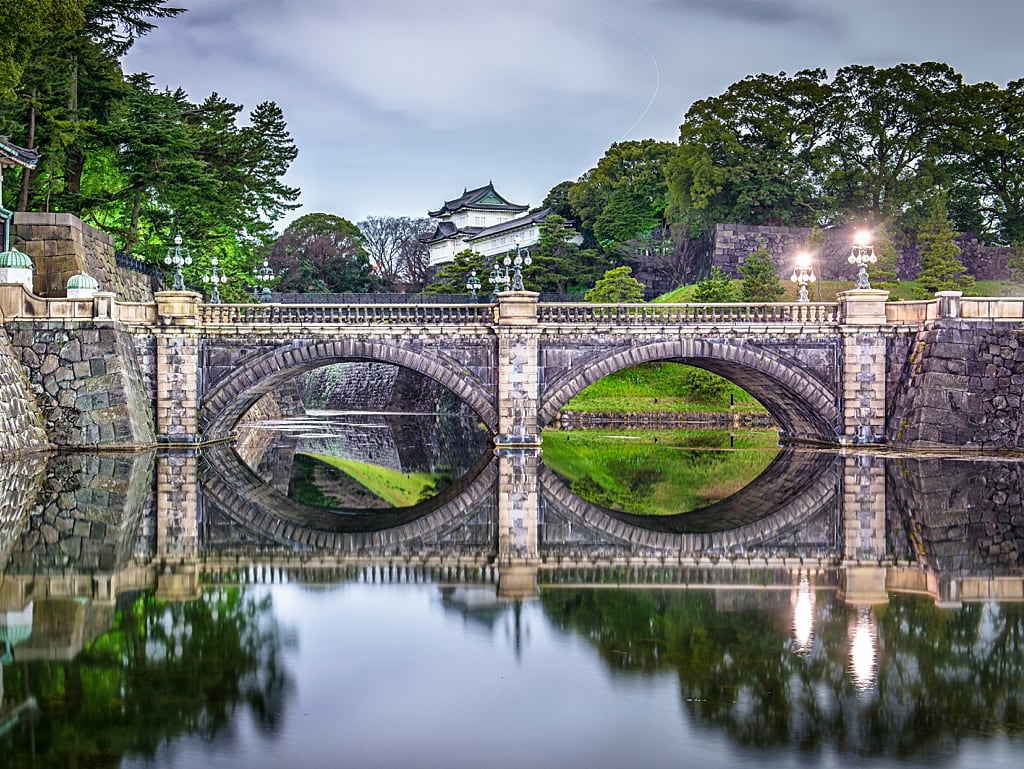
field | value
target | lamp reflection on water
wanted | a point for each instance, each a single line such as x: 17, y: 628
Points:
x: 864, y: 649
x: 803, y: 614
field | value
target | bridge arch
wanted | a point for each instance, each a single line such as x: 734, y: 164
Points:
x: 800, y: 402
x: 227, y: 402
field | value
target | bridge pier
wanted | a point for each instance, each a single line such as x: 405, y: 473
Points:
x: 518, y: 370
x: 177, y: 367
x: 864, y: 365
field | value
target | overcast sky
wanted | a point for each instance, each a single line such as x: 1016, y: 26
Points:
x: 398, y: 105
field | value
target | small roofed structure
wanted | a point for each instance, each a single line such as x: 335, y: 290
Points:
x: 16, y: 267
x: 12, y: 156
x: 82, y: 286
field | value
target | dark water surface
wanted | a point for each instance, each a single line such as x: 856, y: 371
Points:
x: 179, y: 609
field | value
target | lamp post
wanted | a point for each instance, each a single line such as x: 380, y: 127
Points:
x: 473, y: 284
x: 521, y: 259
x: 215, y: 277
x: 263, y: 276
x: 498, y: 279
x: 508, y: 274
x: 178, y: 256
x: 862, y: 254
x: 803, y: 274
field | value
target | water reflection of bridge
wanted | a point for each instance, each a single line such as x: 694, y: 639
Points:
x: 91, y: 526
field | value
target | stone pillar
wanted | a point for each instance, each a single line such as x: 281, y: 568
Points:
x: 948, y: 304
x: 518, y: 378
x: 517, y: 507
x: 862, y: 313
x: 177, y: 367
x: 864, y: 545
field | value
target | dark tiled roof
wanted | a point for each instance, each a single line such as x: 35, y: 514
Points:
x: 13, y: 155
x: 482, y: 198
x: 446, y: 230
x: 512, y: 224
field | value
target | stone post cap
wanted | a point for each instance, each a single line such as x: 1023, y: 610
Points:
x: 517, y: 308
x: 863, y: 307
x: 177, y: 308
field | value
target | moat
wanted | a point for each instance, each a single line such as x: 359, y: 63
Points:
x: 843, y: 609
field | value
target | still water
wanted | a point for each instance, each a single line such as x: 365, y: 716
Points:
x: 841, y: 610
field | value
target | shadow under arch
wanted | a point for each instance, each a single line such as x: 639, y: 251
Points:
x: 229, y: 485
x: 792, y: 491
x: 224, y: 406
x: 803, y: 406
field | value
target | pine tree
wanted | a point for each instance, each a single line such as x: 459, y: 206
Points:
x: 941, y: 270
x: 618, y: 286
x: 760, y: 277
x: 715, y: 288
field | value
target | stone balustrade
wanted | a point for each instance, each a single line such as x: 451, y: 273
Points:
x: 344, y: 314
x: 671, y: 314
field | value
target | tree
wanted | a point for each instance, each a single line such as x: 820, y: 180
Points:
x: 452, y: 277
x: 751, y: 155
x: 989, y: 164
x: 941, y: 270
x: 618, y: 286
x: 23, y: 26
x: 559, y: 265
x: 760, y: 277
x: 716, y: 288
x: 395, y: 249
x: 888, y: 131
x: 324, y: 248
x: 632, y: 174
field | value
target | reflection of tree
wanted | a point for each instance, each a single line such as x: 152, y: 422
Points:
x: 164, y: 669
x: 942, y: 675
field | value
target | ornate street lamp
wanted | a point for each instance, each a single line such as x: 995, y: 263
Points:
x: 521, y: 259
x: 498, y: 279
x: 473, y: 284
x: 803, y: 274
x: 178, y: 257
x: 509, y: 273
x: 263, y: 276
x: 862, y: 254
x: 215, y: 277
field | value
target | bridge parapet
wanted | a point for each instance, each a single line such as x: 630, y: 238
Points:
x: 824, y: 313
x: 344, y: 314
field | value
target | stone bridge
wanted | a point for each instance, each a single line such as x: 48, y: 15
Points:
x: 947, y: 371
x: 818, y: 368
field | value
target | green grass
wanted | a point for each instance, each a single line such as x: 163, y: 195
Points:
x: 655, y: 387
x: 657, y: 472
x: 395, y: 487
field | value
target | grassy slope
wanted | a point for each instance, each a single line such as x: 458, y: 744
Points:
x: 397, y: 488
x: 660, y: 472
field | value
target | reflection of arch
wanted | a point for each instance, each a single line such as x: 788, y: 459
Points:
x: 802, y: 405
x: 792, y: 490
x: 229, y: 485
x: 222, y: 408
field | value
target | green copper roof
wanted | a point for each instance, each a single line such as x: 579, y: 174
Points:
x: 14, y: 258
x: 83, y: 281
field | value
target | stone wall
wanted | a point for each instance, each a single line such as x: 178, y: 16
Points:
x: 21, y: 423
x: 734, y: 242
x: 61, y: 245
x: 958, y: 384
x: 87, y: 383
